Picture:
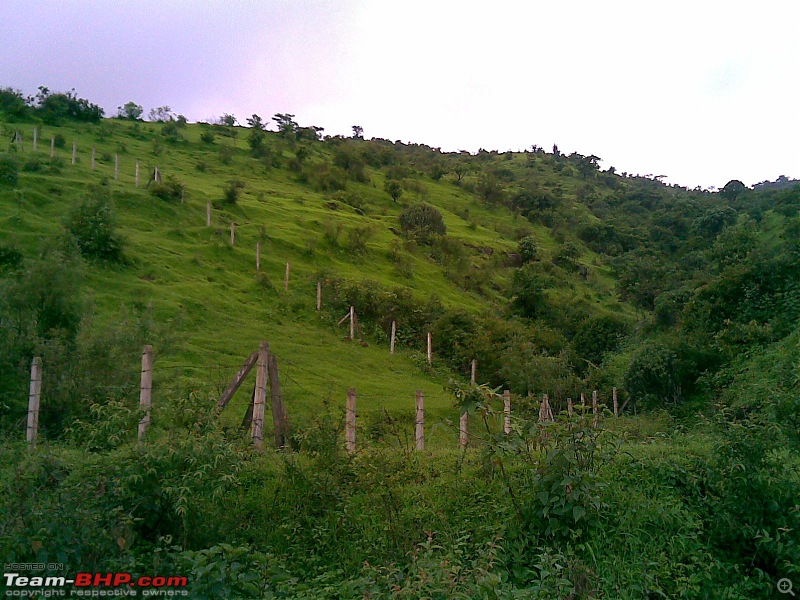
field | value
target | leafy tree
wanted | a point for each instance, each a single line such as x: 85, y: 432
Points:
x: 287, y: 126
x: 528, y: 249
x: 228, y: 120
x: 732, y: 190
x: 56, y: 107
x: 130, y: 110
x: 653, y: 375
x: 423, y: 222
x: 358, y: 132
x: 13, y: 105
x: 527, y: 291
x: 257, y: 137
x: 232, y: 191
x: 394, y: 188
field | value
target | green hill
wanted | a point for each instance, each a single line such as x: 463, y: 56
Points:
x: 555, y: 276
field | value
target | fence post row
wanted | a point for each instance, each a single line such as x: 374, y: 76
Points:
x: 145, y: 391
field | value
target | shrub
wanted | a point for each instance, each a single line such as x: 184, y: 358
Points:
x: 92, y: 225
x: 59, y: 141
x: 170, y: 189
x: 357, y: 238
x: 9, y: 171
x: 422, y: 222
x: 232, y: 191
x: 528, y: 249
x: 207, y: 137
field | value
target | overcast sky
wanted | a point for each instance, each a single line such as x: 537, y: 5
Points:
x: 699, y: 91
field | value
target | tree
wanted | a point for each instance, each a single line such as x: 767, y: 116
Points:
x: 358, y: 132
x: 228, y: 120
x: 732, y: 190
x: 528, y: 249
x: 257, y: 135
x: 93, y: 227
x: 130, y: 110
x: 161, y: 114
x: 423, y: 222
x: 13, y: 106
x: 394, y: 188
x: 287, y: 126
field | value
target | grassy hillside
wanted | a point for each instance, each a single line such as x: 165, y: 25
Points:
x: 556, y: 276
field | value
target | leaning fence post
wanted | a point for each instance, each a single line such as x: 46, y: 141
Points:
x: 394, y: 335
x: 319, y: 294
x: 259, y: 402
x: 350, y: 425
x: 145, y: 390
x: 419, y: 427
x: 594, y: 408
x: 614, y: 400
x: 33, y: 401
x: 507, y: 411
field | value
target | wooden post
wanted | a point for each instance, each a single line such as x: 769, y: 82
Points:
x: 52, y: 146
x: 570, y: 409
x: 614, y: 400
x: 145, y: 390
x: 208, y: 214
x: 430, y: 350
x: 156, y: 176
x: 419, y: 428
x: 594, y: 408
x: 233, y: 233
x: 286, y: 280
x: 116, y: 167
x: 352, y: 323
x: 33, y: 401
x: 74, y: 152
x: 279, y: 418
x: 473, y: 371
x: 257, y: 429
x: 350, y: 424
x: 35, y: 137
x: 93, y: 151
x: 319, y: 294
x: 237, y: 381
x: 507, y: 411
x: 394, y: 336
x: 258, y: 256
x: 463, y: 429
x: 136, y: 178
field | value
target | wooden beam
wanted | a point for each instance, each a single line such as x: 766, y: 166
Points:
x: 237, y: 381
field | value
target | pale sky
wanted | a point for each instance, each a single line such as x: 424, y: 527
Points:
x: 699, y: 91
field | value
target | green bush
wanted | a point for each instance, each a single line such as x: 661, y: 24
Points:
x: 422, y: 222
x: 232, y: 191
x: 9, y: 170
x: 170, y: 189
x: 528, y: 249
x: 93, y: 227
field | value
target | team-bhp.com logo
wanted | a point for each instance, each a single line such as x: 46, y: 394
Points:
x: 93, y: 585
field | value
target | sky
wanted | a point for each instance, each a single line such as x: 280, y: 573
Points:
x: 700, y: 91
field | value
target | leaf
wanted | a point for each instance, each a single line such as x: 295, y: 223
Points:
x: 578, y: 512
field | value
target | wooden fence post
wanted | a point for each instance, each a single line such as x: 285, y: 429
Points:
x: 419, y: 422
x: 136, y: 177
x: 594, y: 408
x: 350, y: 425
x: 52, y: 146
x: 614, y: 400
x: 506, y: 411
x: 74, y: 152
x: 116, y: 167
x: 430, y: 350
x: 570, y: 409
x: 258, y: 256
x: 352, y: 323
x: 35, y: 137
x: 463, y: 425
x: 261, y: 395
x: 473, y: 371
x: 393, y: 337
x: 319, y: 294
x: 279, y: 419
x: 33, y: 401
x: 145, y: 390
x: 286, y: 278
x: 233, y: 233
x: 208, y: 213
x: 156, y: 176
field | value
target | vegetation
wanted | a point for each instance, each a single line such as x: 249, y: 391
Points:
x: 555, y: 276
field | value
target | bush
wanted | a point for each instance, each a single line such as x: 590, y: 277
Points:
x: 92, y: 225
x: 232, y: 191
x: 422, y: 222
x: 357, y: 238
x: 528, y: 249
x: 59, y: 141
x: 9, y: 171
x: 207, y: 137
x: 170, y: 189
